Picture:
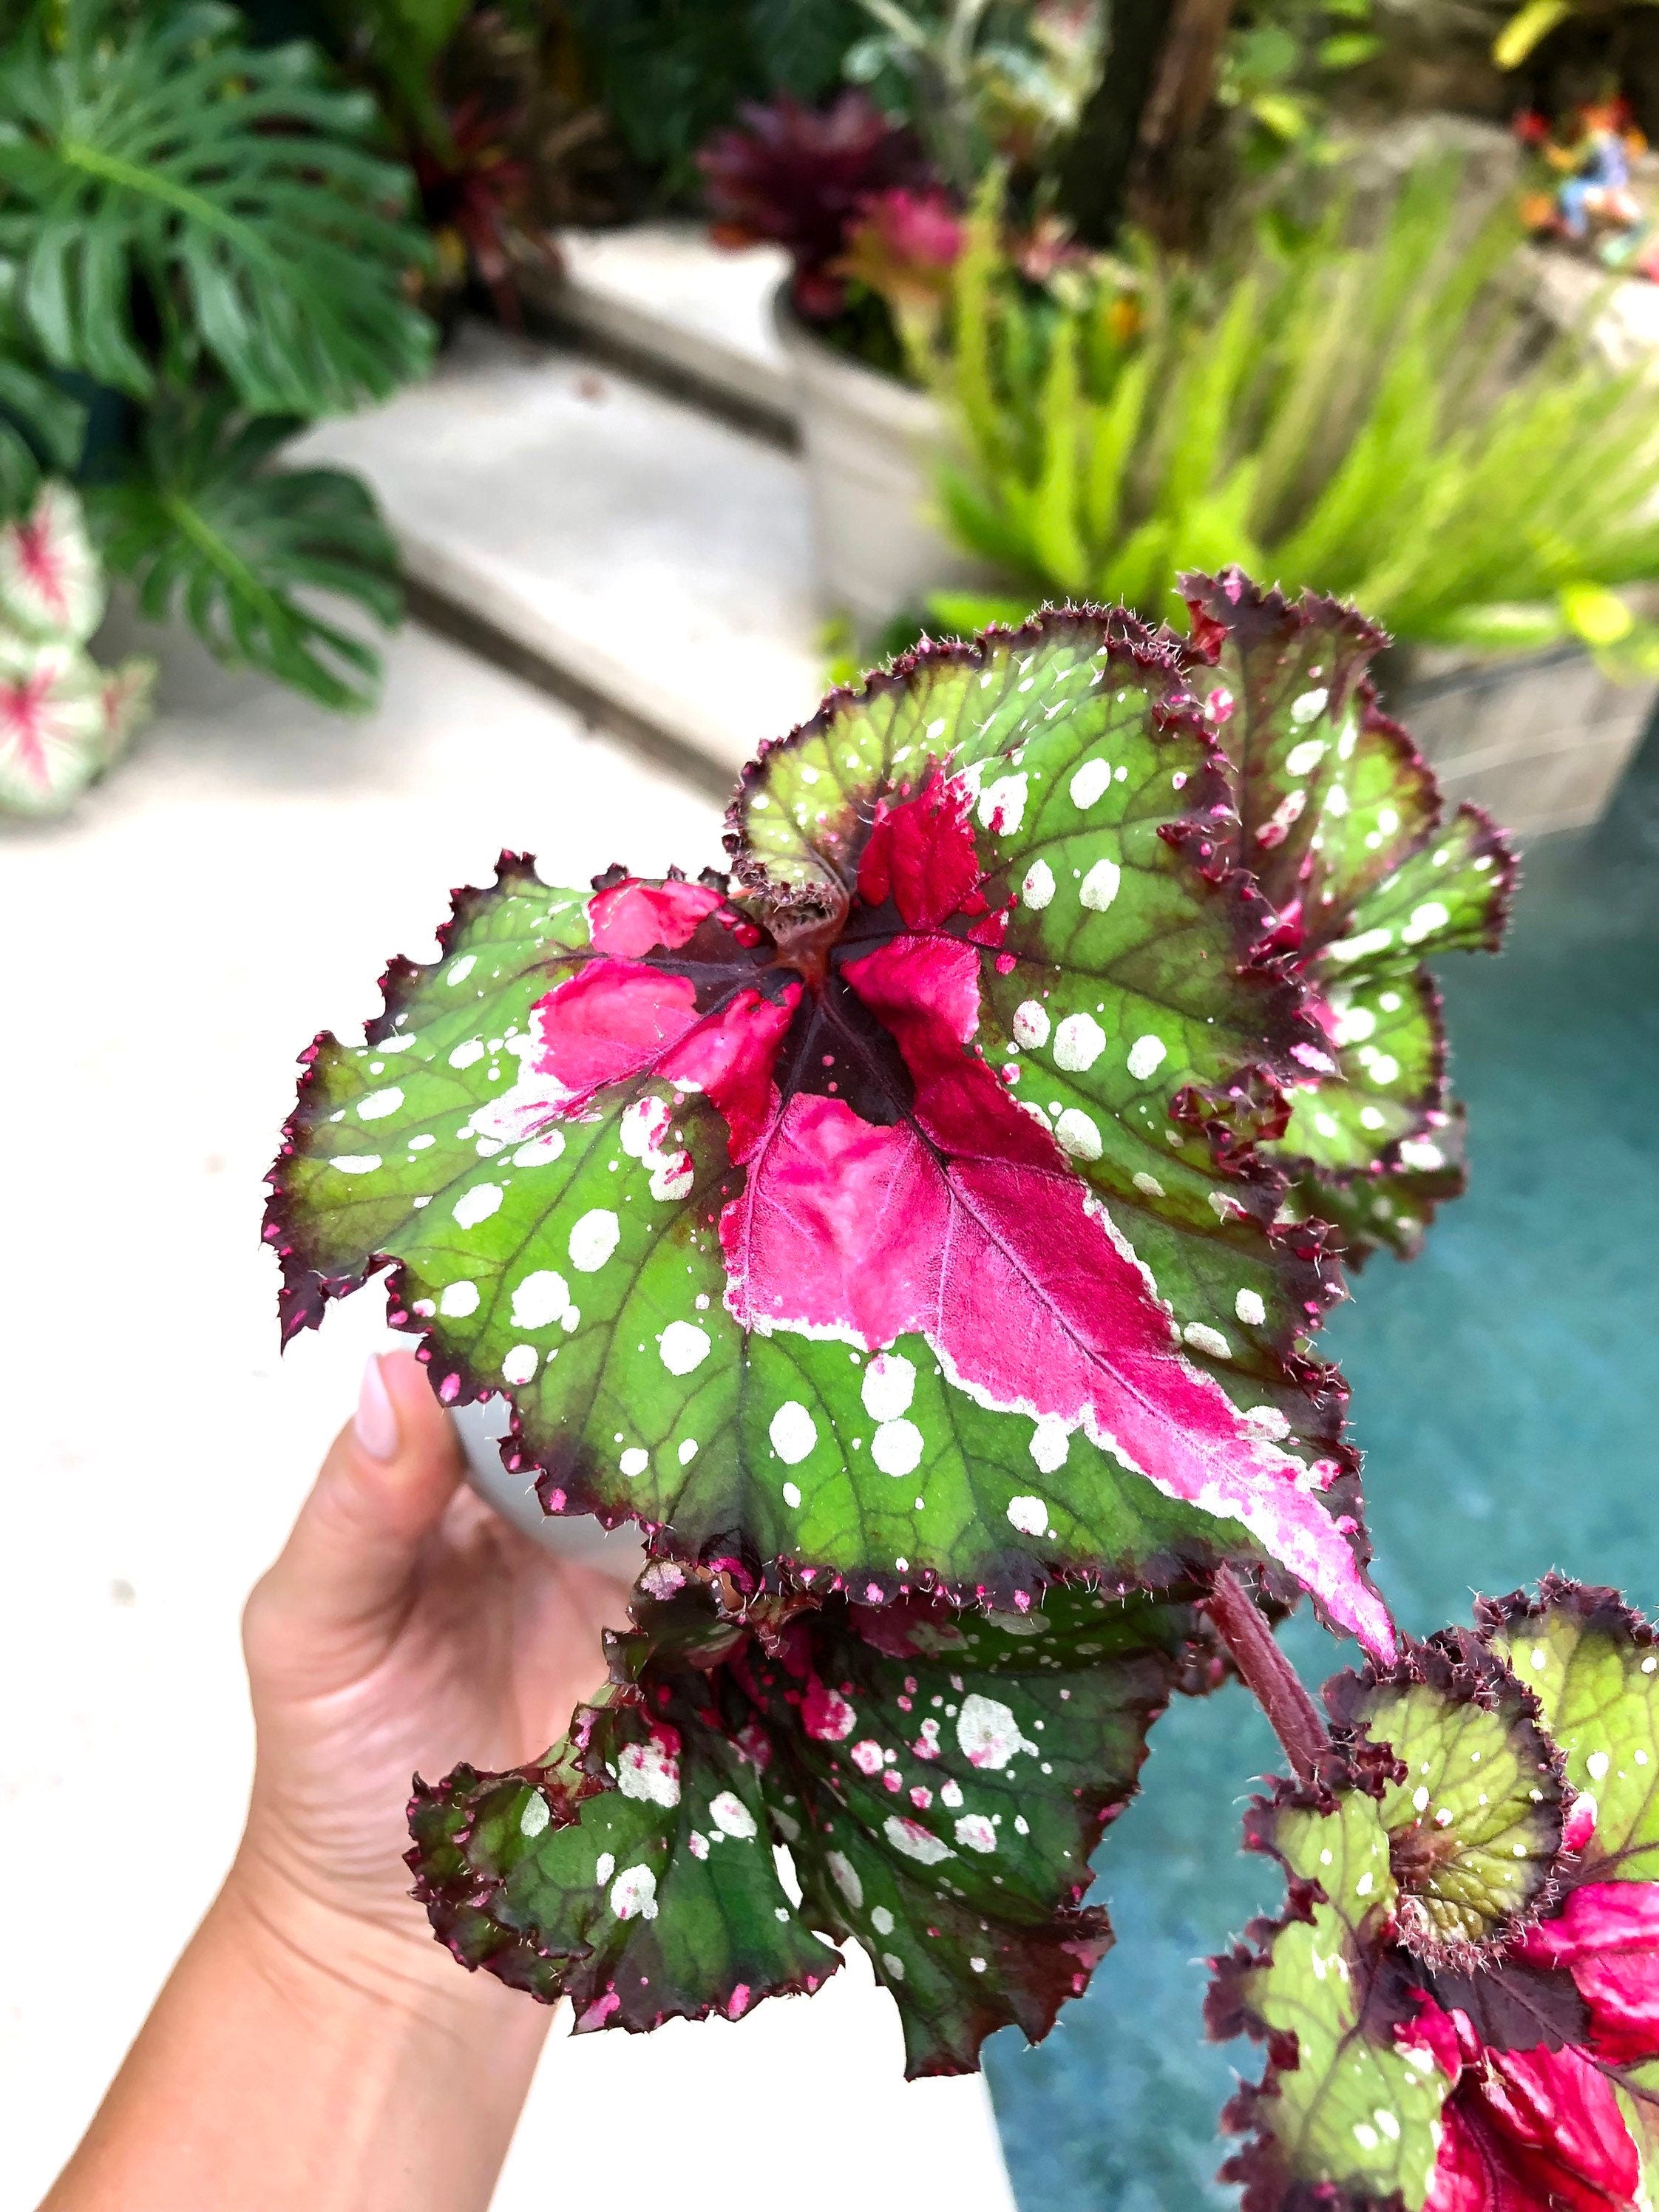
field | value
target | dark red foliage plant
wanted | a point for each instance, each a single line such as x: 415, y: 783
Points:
x: 802, y: 178
x: 921, y: 1228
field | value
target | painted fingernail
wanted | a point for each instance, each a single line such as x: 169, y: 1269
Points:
x: 375, y: 1421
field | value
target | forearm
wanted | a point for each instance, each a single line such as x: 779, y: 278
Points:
x: 298, y: 2061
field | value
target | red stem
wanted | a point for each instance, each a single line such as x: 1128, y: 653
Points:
x: 1267, y: 1674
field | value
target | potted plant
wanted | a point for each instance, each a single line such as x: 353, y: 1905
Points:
x: 868, y: 205
x: 921, y: 1232
x: 1087, y: 115
x: 1371, y: 409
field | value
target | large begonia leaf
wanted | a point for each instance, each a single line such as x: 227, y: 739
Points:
x: 730, y: 1189
x: 1391, y: 1207
x: 937, y: 1785
x: 1340, y: 819
x: 1348, y: 2113
x: 1473, y: 1817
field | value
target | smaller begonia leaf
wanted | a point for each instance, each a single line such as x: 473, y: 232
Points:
x: 1593, y: 1664
x: 1340, y: 817
x: 1346, y: 2115
x: 1540, y: 2045
x: 1474, y: 1820
x: 938, y: 1782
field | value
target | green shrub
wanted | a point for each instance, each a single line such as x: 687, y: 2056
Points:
x: 1377, y: 414
x: 202, y: 246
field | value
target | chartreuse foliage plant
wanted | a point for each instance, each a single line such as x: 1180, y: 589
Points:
x: 200, y: 239
x: 920, y: 1229
x: 1363, y: 413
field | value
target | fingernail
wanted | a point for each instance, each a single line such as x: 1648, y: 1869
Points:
x: 375, y: 1424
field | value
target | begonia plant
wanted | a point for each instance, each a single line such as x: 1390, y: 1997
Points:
x: 920, y: 1229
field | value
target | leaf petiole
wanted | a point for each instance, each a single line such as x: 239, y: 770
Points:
x: 1267, y: 1674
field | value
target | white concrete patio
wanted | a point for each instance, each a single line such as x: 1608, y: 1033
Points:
x: 237, y: 884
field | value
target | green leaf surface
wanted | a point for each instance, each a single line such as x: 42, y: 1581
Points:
x: 1344, y: 2116
x: 1593, y: 1664
x: 211, y: 527
x: 1127, y: 1005
x: 578, y: 1270
x: 158, y: 171
x: 1339, y: 817
x: 935, y: 1786
x: 1474, y: 1820
x: 41, y: 426
x: 1388, y: 1208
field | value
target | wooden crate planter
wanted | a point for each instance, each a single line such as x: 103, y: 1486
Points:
x: 1541, y: 739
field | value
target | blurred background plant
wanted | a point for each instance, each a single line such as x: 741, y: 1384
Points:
x: 865, y: 191
x: 201, y: 247
x: 669, y: 73
x: 62, y: 718
x: 494, y: 108
x: 1364, y: 409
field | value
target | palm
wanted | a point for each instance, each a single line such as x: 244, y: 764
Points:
x: 491, y: 1644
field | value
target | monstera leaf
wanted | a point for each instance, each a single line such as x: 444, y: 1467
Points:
x: 160, y: 173
x: 1512, y: 2043
x: 749, y: 1793
x: 1340, y: 821
x: 208, y: 525
x: 889, y: 1215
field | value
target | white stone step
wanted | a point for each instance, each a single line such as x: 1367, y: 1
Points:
x: 657, y: 558
x: 665, y: 292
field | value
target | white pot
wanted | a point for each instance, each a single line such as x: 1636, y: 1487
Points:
x: 871, y: 445
x: 1540, y: 739
x: 620, y: 1552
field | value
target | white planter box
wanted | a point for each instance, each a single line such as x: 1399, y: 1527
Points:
x: 871, y: 444
x: 1540, y: 740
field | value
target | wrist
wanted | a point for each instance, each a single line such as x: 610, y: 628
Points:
x: 310, y: 1948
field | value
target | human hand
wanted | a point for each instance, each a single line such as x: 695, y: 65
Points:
x: 405, y: 1626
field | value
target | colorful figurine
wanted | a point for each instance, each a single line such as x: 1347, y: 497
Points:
x: 1594, y: 205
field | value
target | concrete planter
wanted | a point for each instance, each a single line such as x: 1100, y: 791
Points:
x: 869, y: 444
x: 1540, y: 739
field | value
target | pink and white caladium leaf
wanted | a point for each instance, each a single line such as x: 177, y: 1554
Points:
x: 53, y: 724
x: 1340, y: 821
x: 128, y: 694
x: 51, y: 581
x: 889, y: 1215
x: 937, y: 1784
x: 1524, y: 2078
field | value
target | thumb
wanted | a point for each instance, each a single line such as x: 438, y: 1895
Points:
x: 345, y: 1570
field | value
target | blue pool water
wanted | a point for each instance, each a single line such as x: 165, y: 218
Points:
x: 1505, y: 1392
